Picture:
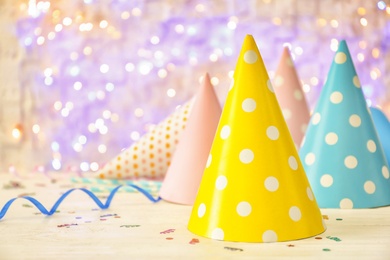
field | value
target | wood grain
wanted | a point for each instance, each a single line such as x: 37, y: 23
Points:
x: 131, y: 229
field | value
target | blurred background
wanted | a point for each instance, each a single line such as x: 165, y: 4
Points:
x: 80, y: 80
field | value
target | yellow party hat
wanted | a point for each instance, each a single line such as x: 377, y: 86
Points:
x: 254, y: 188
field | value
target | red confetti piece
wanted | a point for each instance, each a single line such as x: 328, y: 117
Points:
x: 194, y: 241
x: 13, y: 185
x: 167, y: 231
x: 66, y: 225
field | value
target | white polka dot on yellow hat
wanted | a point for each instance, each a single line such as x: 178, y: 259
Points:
x: 254, y: 188
x: 342, y: 154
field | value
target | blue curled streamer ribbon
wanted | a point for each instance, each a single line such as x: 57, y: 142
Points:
x: 102, y: 205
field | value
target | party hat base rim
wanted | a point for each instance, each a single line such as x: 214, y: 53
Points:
x: 341, y: 200
x: 258, y: 241
x: 357, y: 207
x: 173, y: 201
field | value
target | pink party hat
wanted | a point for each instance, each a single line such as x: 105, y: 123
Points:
x: 185, y: 172
x: 291, y: 98
x: 151, y: 155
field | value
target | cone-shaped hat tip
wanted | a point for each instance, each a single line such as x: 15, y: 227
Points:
x: 206, y: 77
x: 342, y: 44
x: 249, y: 38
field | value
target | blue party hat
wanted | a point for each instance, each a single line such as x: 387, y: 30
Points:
x: 382, y: 126
x: 341, y: 153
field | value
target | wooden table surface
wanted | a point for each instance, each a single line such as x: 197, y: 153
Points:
x: 133, y: 228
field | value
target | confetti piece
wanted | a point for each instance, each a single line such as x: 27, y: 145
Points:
x: 325, y: 217
x: 96, y: 189
x: 27, y: 206
x: 169, y: 238
x: 339, y: 219
x: 16, y: 184
x: 233, y: 248
x: 194, y: 241
x: 13, y: 185
x: 318, y: 238
x: 78, y: 217
x: 334, y: 238
x: 108, y: 215
x: 43, y: 210
x: 66, y: 186
x: 127, y: 226
x: 167, y: 231
x: 103, y: 219
x: 26, y: 194
x: 290, y: 245
x: 326, y: 249
x: 66, y: 225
